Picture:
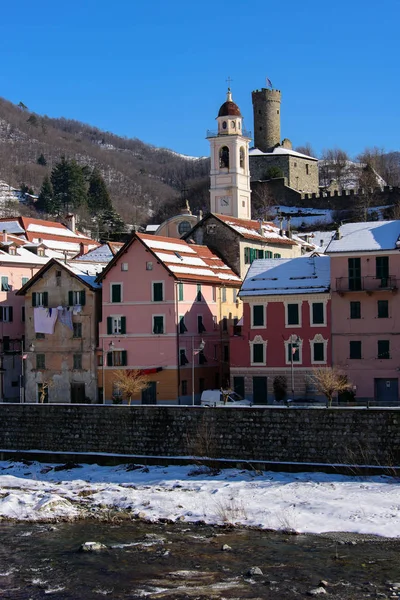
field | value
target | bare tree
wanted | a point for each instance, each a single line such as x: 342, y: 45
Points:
x: 367, y: 184
x: 333, y: 166
x: 263, y: 201
x: 306, y: 149
x: 130, y: 382
x: 329, y: 381
x: 44, y: 390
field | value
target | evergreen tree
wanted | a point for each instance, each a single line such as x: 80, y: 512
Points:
x: 69, y: 184
x: 111, y: 226
x: 98, y: 198
x: 46, y: 201
x: 33, y: 120
x: 41, y: 160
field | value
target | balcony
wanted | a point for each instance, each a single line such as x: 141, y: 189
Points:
x: 245, y: 133
x: 367, y: 284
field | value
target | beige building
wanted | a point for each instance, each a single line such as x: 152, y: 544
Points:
x: 62, y: 309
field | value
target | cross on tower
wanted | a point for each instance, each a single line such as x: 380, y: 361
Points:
x: 228, y: 81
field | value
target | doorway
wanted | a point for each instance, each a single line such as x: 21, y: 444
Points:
x: 149, y: 395
x: 77, y: 393
x: 387, y: 391
x: 260, y: 390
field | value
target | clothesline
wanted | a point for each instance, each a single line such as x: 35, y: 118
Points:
x: 45, y: 318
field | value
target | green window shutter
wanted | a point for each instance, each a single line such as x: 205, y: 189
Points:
x: 268, y: 254
x: 318, y: 313
x: 355, y: 310
x: 109, y: 359
x: 109, y: 325
x: 116, y: 293
x: 83, y: 297
x: 34, y: 299
x: 10, y: 314
x: 180, y: 291
x: 4, y: 284
x: 45, y: 298
x: 123, y: 324
x: 258, y: 316
x: 124, y: 358
x: 277, y: 255
x: 247, y: 255
x: 158, y: 292
x: 70, y: 298
x: 260, y: 254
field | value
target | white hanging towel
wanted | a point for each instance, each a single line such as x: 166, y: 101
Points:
x: 44, y: 319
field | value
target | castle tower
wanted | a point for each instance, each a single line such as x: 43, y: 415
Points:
x: 267, y: 119
x: 230, y: 171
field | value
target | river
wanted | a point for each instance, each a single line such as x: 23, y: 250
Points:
x: 143, y: 560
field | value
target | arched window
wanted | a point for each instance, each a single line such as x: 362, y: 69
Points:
x: 241, y: 157
x: 184, y: 227
x: 224, y: 157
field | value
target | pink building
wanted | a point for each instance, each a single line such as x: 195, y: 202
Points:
x: 286, y: 327
x: 365, y: 271
x: 161, y: 299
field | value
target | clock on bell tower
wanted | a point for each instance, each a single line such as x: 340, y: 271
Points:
x: 230, y: 173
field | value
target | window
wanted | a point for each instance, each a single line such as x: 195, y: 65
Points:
x: 307, y: 170
x: 40, y: 336
x: 318, y: 352
x: 12, y: 250
x: 383, y: 349
x: 354, y: 267
x: 124, y: 266
x: 258, y: 354
x: 180, y: 292
x: 258, y: 315
x: 40, y: 361
x: 355, y: 349
x: 235, y: 295
x: 40, y: 299
x: 182, y: 326
x: 24, y: 280
x: 6, y: 343
x: 198, y: 295
x: 158, y: 324
x: 293, y: 352
x: 76, y: 298
x: 223, y: 294
x: 149, y: 266
x: 224, y: 157
x: 77, y: 330
x: 6, y: 314
x: 202, y: 358
x: 200, y: 324
x: 382, y: 269
x: 23, y: 314
x: 77, y: 362
x: 184, y: 227
x: 115, y: 325
x: 117, y: 358
x: 277, y: 255
x: 383, y: 309
x: 355, y: 310
x: 58, y: 278
x: 241, y: 157
x: 116, y: 292
x: 260, y: 254
x: 292, y: 314
x: 318, y: 317
x: 182, y: 357
x: 4, y: 284
x: 158, y: 291
x: 184, y: 387
x: 226, y: 353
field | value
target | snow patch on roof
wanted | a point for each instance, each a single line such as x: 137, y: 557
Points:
x: 182, y: 247
x: 49, y: 229
x: 203, y: 273
x: 279, y: 150
x: 359, y: 237
x: 185, y: 260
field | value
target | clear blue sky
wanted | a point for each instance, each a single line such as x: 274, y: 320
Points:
x: 157, y: 70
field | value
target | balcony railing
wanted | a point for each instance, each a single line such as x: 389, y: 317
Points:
x: 365, y: 284
x: 213, y: 134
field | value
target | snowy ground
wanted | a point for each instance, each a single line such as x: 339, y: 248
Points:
x: 306, y: 502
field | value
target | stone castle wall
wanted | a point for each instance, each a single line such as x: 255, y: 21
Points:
x: 267, y: 118
x: 250, y: 434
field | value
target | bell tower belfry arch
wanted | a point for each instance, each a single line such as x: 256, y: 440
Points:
x: 230, y: 192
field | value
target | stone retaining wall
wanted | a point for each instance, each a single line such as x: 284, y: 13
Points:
x: 273, y: 434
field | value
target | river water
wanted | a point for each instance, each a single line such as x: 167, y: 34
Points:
x: 167, y: 561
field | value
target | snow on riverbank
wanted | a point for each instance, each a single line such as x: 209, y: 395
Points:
x: 306, y: 502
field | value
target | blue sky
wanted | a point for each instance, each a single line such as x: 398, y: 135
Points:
x: 157, y: 70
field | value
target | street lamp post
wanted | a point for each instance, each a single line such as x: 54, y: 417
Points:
x: 194, y: 352
x: 294, y: 345
x: 110, y: 346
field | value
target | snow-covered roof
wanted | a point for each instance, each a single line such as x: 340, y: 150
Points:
x: 11, y: 226
x: 320, y: 239
x: 102, y: 254
x: 278, y: 276
x: 52, y: 230
x: 151, y: 228
x: 22, y: 256
x: 366, y: 237
x: 256, y: 230
x: 279, y: 151
x: 189, y: 261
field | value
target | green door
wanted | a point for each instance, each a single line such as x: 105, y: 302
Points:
x: 355, y: 274
x: 260, y: 390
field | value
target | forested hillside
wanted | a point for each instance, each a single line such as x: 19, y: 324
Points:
x: 145, y: 183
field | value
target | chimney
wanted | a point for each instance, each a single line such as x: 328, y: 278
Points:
x: 65, y: 256
x: 83, y: 248
x: 288, y: 232
x: 70, y: 221
x: 5, y: 238
x: 40, y: 240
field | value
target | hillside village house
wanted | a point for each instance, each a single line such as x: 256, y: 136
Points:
x: 365, y: 275
x: 161, y: 299
x: 286, y: 327
x: 62, y: 310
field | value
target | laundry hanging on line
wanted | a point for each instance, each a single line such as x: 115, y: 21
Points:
x: 44, y: 319
x: 65, y: 317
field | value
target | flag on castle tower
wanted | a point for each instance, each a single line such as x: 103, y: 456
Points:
x: 269, y: 83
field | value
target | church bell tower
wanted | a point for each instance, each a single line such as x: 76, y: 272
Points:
x: 230, y: 173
